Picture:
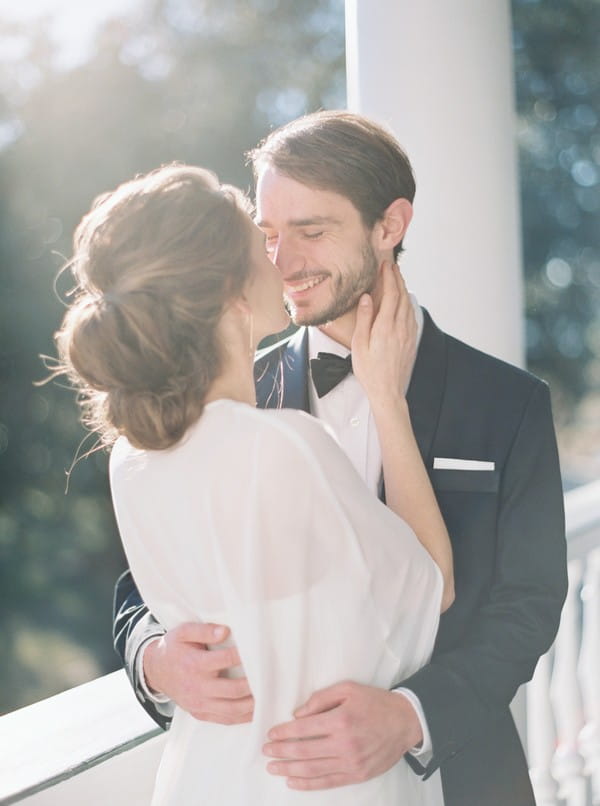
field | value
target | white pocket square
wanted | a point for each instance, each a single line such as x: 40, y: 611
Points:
x: 441, y: 463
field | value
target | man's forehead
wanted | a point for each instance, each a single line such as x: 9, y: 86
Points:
x: 271, y: 183
x: 286, y: 200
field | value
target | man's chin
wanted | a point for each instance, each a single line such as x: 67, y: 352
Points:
x: 304, y: 317
x: 309, y: 319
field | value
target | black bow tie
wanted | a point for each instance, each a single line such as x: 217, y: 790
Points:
x: 327, y: 370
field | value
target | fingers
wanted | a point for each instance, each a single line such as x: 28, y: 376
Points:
x: 404, y: 320
x: 225, y: 712
x: 195, y: 633
x: 223, y: 720
x: 364, y: 321
x: 198, y: 662
x: 404, y: 301
x: 323, y: 700
x: 317, y: 748
x: 181, y: 665
x: 307, y: 727
x: 305, y: 769
x: 228, y: 702
x: 390, y: 297
x: 325, y: 782
x: 227, y: 688
x: 218, y: 660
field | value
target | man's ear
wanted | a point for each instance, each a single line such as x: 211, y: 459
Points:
x: 391, y: 228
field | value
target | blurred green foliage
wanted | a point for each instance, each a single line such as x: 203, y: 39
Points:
x: 202, y: 81
x: 557, y: 64
x: 198, y: 82
x: 557, y: 71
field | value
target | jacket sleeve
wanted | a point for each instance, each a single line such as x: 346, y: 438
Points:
x: 460, y: 688
x: 133, y: 625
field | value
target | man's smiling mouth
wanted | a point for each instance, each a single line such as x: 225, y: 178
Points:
x: 304, y: 285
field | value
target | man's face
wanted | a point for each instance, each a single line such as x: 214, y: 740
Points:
x: 320, y: 245
x: 263, y: 290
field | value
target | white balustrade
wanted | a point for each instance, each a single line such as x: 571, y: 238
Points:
x: 95, y: 745
x: 589, y: 674
x: 563, y: 699
x: 567, y: 763
x: 541, y: 733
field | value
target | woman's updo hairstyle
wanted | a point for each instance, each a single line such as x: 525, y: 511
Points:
x: 155, y: 262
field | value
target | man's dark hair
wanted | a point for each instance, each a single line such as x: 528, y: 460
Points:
x: 344, y: 153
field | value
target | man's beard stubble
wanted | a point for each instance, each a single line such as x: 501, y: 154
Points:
x: 349, y: 287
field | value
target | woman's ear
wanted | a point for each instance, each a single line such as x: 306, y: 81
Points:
x: 391, y: 228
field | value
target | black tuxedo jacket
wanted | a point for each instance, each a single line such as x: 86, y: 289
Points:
x: 507, y: 532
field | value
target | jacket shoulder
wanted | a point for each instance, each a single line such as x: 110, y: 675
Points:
x: 273, y: 352
x: 470, y: 365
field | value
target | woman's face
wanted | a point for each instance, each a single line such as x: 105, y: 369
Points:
x: 264, y: 290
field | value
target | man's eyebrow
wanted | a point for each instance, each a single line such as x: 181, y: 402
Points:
x: 312, y: 221
x: 315, y: 220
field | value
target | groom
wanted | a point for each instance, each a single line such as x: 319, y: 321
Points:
x: 325, y: 184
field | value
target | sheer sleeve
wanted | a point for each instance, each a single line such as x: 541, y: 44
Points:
x: 321, y: 582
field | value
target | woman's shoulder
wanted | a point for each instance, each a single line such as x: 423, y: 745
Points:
x: 121, y: 452
x: 284, y: 422
x: 234, y: 432
x: 298, y: 428
x: 124, y: 458
x: 273, y: 431
x: 298, y: 421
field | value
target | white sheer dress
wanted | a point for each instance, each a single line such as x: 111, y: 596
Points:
x: 258, y: 520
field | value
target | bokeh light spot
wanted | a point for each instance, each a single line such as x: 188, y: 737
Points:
x: 559, y: 272
x: 585, y: 173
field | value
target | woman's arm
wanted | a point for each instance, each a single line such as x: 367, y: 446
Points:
x: 383, y: 352
x: 408, y: 490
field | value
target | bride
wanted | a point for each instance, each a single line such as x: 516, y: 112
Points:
x: 228, y: 514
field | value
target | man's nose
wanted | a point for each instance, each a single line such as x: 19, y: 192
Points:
x: 287, y: 258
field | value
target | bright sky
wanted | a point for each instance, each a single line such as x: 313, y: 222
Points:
x: 73, y: 22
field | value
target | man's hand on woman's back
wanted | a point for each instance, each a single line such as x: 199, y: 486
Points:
x: 181, y: 665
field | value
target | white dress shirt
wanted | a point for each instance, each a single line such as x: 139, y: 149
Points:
x: 346, y: 408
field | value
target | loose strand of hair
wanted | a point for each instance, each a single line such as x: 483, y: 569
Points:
x: 97, y: 446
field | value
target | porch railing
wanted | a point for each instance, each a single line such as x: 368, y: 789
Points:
x: 563, y: 699
x: 95, y: 745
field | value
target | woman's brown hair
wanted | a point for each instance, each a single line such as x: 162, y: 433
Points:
x: 155, y: 262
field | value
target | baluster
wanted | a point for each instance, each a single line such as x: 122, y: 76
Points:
x: 589, y: 673
x: 567, y: 766
x: 541, y: 733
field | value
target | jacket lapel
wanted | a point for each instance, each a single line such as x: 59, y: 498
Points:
x: 296, y: 373
x: 281, y: 374
x: 426, y: 390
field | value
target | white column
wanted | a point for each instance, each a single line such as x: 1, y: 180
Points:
x: 440, y: 76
